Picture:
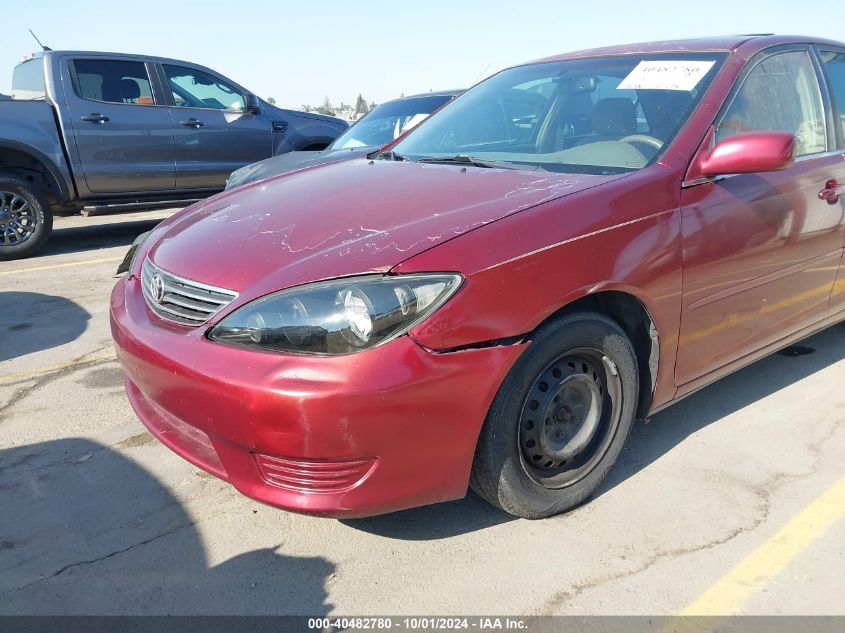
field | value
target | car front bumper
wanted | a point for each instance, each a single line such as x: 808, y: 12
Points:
x: 382, y: 430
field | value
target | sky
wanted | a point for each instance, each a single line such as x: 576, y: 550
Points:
x: 300, y: 52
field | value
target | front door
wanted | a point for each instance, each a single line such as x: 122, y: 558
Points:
x: 214, y: 135
x: 761, y: 250
x: 123, y: 138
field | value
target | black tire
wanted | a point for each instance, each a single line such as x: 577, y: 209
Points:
x: 563, y: 402
x: 25, y: 219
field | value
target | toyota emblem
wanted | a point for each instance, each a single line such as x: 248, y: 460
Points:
x: 157, y: 288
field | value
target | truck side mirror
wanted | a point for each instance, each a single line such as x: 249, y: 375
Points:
x: 253, y: 105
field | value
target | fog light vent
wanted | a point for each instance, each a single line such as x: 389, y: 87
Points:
x: 312, y: 476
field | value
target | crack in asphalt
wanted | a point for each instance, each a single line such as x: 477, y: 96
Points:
x: 41, y: 381
x: 76, y: 460
x: 562, y: 597
x: 45, y: 379
x: 70, y: 461
x: 764, y: 491
x: 120, y: 551
x: 62, y: 570
x: 123, y: 550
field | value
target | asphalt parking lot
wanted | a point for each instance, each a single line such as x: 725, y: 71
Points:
x: 729, y: 502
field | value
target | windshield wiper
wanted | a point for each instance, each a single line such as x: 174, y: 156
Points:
x: 463, y: 159
x: 391, y: 155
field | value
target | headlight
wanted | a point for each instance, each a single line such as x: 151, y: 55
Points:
x: 128, y: 263
x: 339, y: 316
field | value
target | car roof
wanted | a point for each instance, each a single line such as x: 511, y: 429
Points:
x: 52, y: 53
x: 727, y: 43
x: 433, y: 93
x: 47, y: 55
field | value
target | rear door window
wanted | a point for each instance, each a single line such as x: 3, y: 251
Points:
x: 113, y: 81
x: 834, y: 66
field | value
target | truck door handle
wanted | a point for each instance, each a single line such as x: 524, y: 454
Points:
x: 95, y: 117
x: 279, y: 126
x: 831, y: 192
x: 192, y: 122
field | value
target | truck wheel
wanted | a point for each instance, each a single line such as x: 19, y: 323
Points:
x: 25, y: 219
x: 560, y: 418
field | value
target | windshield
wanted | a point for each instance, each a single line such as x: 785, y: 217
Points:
x: 388, y: 121
x: 597, y: 116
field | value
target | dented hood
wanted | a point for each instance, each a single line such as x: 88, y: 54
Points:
x: 342, y: 219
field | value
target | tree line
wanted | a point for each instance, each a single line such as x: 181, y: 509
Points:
x: 347, y: 110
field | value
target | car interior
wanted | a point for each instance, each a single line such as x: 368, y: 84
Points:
x: 576, y: 118
x: 195, y: 89
x: 113, y: 81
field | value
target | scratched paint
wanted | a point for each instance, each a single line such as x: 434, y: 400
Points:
x: 345, y: 218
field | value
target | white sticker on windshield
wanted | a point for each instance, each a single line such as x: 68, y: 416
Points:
x: 665, y: 75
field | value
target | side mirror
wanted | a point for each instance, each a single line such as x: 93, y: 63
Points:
x: 748, y: 152
x: 253, y: 105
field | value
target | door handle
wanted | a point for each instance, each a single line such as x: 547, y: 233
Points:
x: 279, y: 126
x: 192, y: 123
x: 94, y: 117
x: 831, y: 192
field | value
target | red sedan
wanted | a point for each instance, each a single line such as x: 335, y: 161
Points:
x: 494, y: 299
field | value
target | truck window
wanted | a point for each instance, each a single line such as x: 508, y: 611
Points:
x: 112, y: 81
x: 28, y: 80
x: 196, y: 89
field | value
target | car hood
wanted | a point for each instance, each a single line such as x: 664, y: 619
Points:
x: 341, y: 219
x: 274, y: 111
x: 314, y: 116
x: 291, y: 161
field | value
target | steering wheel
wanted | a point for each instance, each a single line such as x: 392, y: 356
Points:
x: 656, y: 143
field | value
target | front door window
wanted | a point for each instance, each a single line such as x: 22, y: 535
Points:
x: 196, y: 89
x: 781, y: 94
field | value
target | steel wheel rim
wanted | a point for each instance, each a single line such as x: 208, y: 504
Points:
x: 569, y: 417
x: 18, y: 219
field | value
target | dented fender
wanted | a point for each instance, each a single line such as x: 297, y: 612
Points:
x: 558, y: 253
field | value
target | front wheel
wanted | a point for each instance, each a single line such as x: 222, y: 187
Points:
x: 560, y: 418
x: 25, y: 219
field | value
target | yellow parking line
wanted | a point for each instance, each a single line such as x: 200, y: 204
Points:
x: 88, y: 359
x: 734, y: 589
x: 67, y: 265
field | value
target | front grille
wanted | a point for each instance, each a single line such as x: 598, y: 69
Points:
x: 181, y: 300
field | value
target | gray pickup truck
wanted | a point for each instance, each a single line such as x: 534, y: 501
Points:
x: 114, y: 131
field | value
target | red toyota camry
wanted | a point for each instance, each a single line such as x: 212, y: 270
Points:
x: 492, y: 300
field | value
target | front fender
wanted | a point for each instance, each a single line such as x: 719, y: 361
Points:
x: 308, y: 132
